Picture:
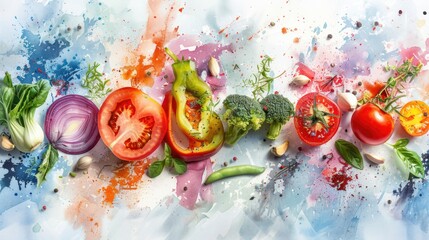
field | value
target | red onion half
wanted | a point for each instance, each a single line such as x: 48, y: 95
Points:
x: 71, y: 124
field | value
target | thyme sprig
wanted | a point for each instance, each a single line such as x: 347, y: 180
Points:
x: 387, y: 97
x: 97, y: 87
x: 261, y: 82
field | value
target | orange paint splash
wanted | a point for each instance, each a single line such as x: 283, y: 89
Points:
x: 126, y: 177
x: 82, y: 214
x: 284, y: 30
x: 150, y: 55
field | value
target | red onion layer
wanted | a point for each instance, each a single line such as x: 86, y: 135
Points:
x: 71, y: 124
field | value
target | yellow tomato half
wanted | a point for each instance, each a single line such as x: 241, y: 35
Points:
x: 415, y: 118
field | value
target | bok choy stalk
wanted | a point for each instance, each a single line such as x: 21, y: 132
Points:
x: 17, y: 107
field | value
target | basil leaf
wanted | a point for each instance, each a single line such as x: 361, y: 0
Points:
x: 167, y: 150
x: 167, y: 156
x: 50, y: 157
x: 412, y: 161
x: 401, y: 143
x: 179, y: 166
x: 350, y: 153
x: 155, y: 169
x: 168, y: 161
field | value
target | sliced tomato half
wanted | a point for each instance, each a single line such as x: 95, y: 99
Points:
x: 317, y: 118
x: 131, y: 124
x: 415, y: 118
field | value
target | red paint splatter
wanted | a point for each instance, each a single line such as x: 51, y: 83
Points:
x: 181, y: 9
x: 373, y: 88
x: 229, y: 25
x: 338, y: 178
x: 304, y: 70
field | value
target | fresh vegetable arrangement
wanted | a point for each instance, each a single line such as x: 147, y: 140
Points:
x: 133, y: 125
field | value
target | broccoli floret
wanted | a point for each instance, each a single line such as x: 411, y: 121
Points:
x: 242, y: 114
x: 278, y: 111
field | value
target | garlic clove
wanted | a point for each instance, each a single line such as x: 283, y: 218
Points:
x: 300, y: 80
x: 83, y: 163
x: 281, y: 149
x: 6, y: 144
x: 374, y: 159
x: 347, y: 101
x: 214, y: 67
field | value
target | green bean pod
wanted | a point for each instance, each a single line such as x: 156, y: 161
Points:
x: 233, y: 171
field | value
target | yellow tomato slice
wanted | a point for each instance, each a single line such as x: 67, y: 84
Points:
x: 415, y: 118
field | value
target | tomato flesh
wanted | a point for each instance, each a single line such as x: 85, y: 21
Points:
x: 415, y: 118
x: 317, y: 119
x: 372, y: 125
x: 131, y: 124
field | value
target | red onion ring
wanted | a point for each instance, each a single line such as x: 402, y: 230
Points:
x: 71, y: 124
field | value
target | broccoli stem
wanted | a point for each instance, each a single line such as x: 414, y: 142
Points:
x: 233, y: 134
x: 274, y: 130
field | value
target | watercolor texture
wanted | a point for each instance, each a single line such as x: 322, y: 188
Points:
x: 301, y: 195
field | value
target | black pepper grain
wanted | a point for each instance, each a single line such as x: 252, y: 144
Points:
x: 358, y: 24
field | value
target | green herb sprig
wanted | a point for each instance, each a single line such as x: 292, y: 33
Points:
x: 410, y: 159
x: 261, y: 82
x: 387, y: 97
x: 156, y: 168
x: 97, y: 87
x: 350, y: 153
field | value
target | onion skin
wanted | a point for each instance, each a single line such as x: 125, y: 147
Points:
x: 68, y: 112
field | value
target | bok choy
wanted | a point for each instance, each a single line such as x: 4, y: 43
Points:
x: 17, y: 107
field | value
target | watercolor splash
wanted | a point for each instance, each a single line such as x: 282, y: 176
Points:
x: 150, y: 55
x: 126, y: 177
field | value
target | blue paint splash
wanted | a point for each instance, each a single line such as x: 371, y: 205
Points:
x: 20, y: 170
x: 39, y: 53
x: 413, y: 199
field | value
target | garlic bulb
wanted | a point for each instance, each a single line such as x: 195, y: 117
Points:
x: 300, y: 80
x: 83, y: 163
x: 214, y: 67
x: 347, y: 101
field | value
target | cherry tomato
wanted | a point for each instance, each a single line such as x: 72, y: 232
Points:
x: 317, y: 118
x: 372, y: 125
x: 415, y: 118
x: 131, y: 124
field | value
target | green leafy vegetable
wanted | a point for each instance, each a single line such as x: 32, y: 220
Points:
x: 350, y: 153
x: 50, y: 157
x: 262, y: 82
x: 17, y: 108
x: 410, y: 159
x: 156, y: 168
x: 401, y: 143
x: 97, y: 88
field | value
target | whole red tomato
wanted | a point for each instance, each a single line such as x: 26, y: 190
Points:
x: 317, y: 118
x: 372, y: 125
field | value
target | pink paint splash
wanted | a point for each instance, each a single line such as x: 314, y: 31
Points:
x: 190, y: 185
x: 190, y: 48
x: 416, y: 53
